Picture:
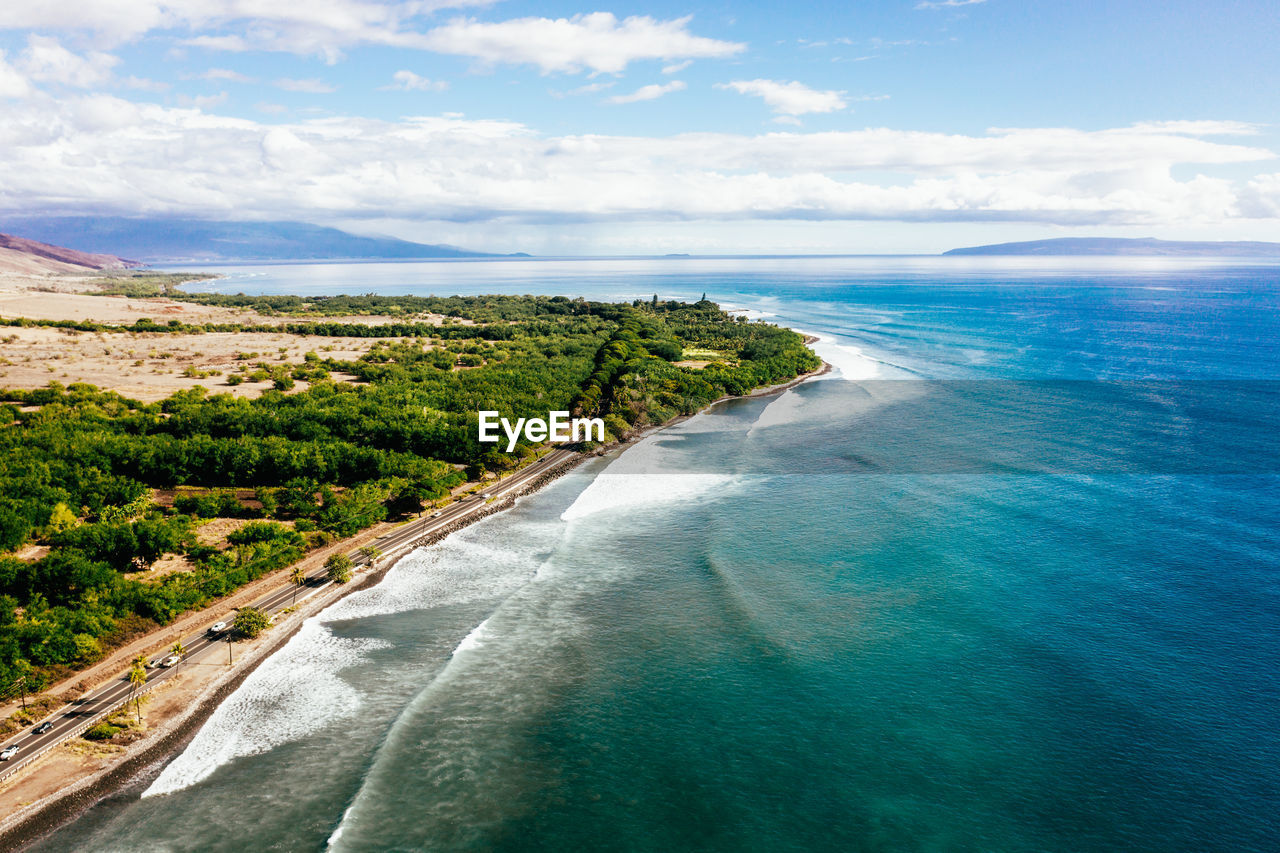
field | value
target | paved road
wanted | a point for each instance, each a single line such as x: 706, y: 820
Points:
x: 207, y: 646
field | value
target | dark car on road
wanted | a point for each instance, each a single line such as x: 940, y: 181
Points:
x: 43, y: 727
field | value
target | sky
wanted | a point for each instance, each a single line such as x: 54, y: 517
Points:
x: 642, y: 128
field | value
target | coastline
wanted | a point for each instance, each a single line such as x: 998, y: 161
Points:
x: 50, y: 813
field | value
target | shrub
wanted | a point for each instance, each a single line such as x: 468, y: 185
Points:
x: 103, y: 731
x: 250, y: 622
x: 338, y: 568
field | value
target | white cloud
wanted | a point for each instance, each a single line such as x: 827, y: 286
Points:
x: 232, y: 43
x: 312, y: 85
x: 202, y: 102
x: 318, y: 27
x: 596, y: 41
x: 407, y: 81
x: 113, y: 155
x: 225, y: 74
x: 1261, y: 197
x: 947, y: 4
x: 789, y: 99
x: 676, y: 68
x: 12, y: 83
x: 47, y: 61
x: 648, y: 93
x: 589, y: 88
x: 1199, y: 128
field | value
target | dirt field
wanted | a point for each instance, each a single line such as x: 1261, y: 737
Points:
x: 150, y: 366
x: 116, y: 309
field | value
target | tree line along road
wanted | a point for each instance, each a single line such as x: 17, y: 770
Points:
x: 82, y: 713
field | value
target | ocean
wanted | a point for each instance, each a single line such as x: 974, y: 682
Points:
x: 1007, y: 579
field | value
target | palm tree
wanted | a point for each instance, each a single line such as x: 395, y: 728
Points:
x: 299, y: 578
x: 178, y: 649
x: 137, y: 677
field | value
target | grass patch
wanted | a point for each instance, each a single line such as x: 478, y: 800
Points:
x: 698, y: 354
x: 103, y: 731
x: 141, y: 285
x: 37, y: 708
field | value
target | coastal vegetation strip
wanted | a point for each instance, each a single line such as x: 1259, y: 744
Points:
x: 97, y: 489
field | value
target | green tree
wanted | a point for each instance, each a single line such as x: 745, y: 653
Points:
x: 250, y: 622
x: 137, y: 678
x: 338, y: 568
x: 178, y: 649
x: 299, y: 579
x: 62, y: 519
x: 371, y: 553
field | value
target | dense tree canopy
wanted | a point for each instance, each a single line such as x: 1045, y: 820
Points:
x: 78, y: 465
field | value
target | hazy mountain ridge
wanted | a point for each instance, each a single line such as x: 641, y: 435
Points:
x: 1126, y: 246
x: 194, y: 240
x: 24, y: 255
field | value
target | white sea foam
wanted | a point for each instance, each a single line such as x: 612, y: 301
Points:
x: 850, y: 363
x: 473, y: 640
x: 636, y: 478
x: 474, y: 566
x: 460, y: 724
x: 298, y: 691
x: 295, y: 692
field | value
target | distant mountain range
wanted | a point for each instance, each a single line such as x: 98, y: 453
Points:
x: 31, y: 257
x: 1126, y: 246
x: 195, y: 240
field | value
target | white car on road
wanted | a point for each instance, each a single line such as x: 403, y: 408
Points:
x: 217, y: 627
x: 9, y: 753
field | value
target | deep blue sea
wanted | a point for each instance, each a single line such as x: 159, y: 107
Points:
x: 1008, y: 579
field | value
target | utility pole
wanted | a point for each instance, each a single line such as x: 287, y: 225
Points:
x: 229, y: 662
x: 21, y: 683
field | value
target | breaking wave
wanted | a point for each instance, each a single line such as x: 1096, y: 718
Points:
x: 638, y: 478
x: 294, y: 693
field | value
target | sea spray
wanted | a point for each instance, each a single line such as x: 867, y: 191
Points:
x: 299, y: 690
x: 850, y: 362
x: 645, y: 475
x: 295, y: 692
x: 465, y: 737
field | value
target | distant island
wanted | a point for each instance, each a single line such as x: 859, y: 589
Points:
x: 195, y: 240
x: 1127, y: 246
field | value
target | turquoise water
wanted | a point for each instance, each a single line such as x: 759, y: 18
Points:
x: 1014, y: 589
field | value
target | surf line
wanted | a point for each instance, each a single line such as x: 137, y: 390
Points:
x: 558, y: 428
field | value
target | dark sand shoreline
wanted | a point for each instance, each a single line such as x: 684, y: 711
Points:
x: 130, y: 777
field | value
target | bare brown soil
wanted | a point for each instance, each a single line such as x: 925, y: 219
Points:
x: 149, y: 366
